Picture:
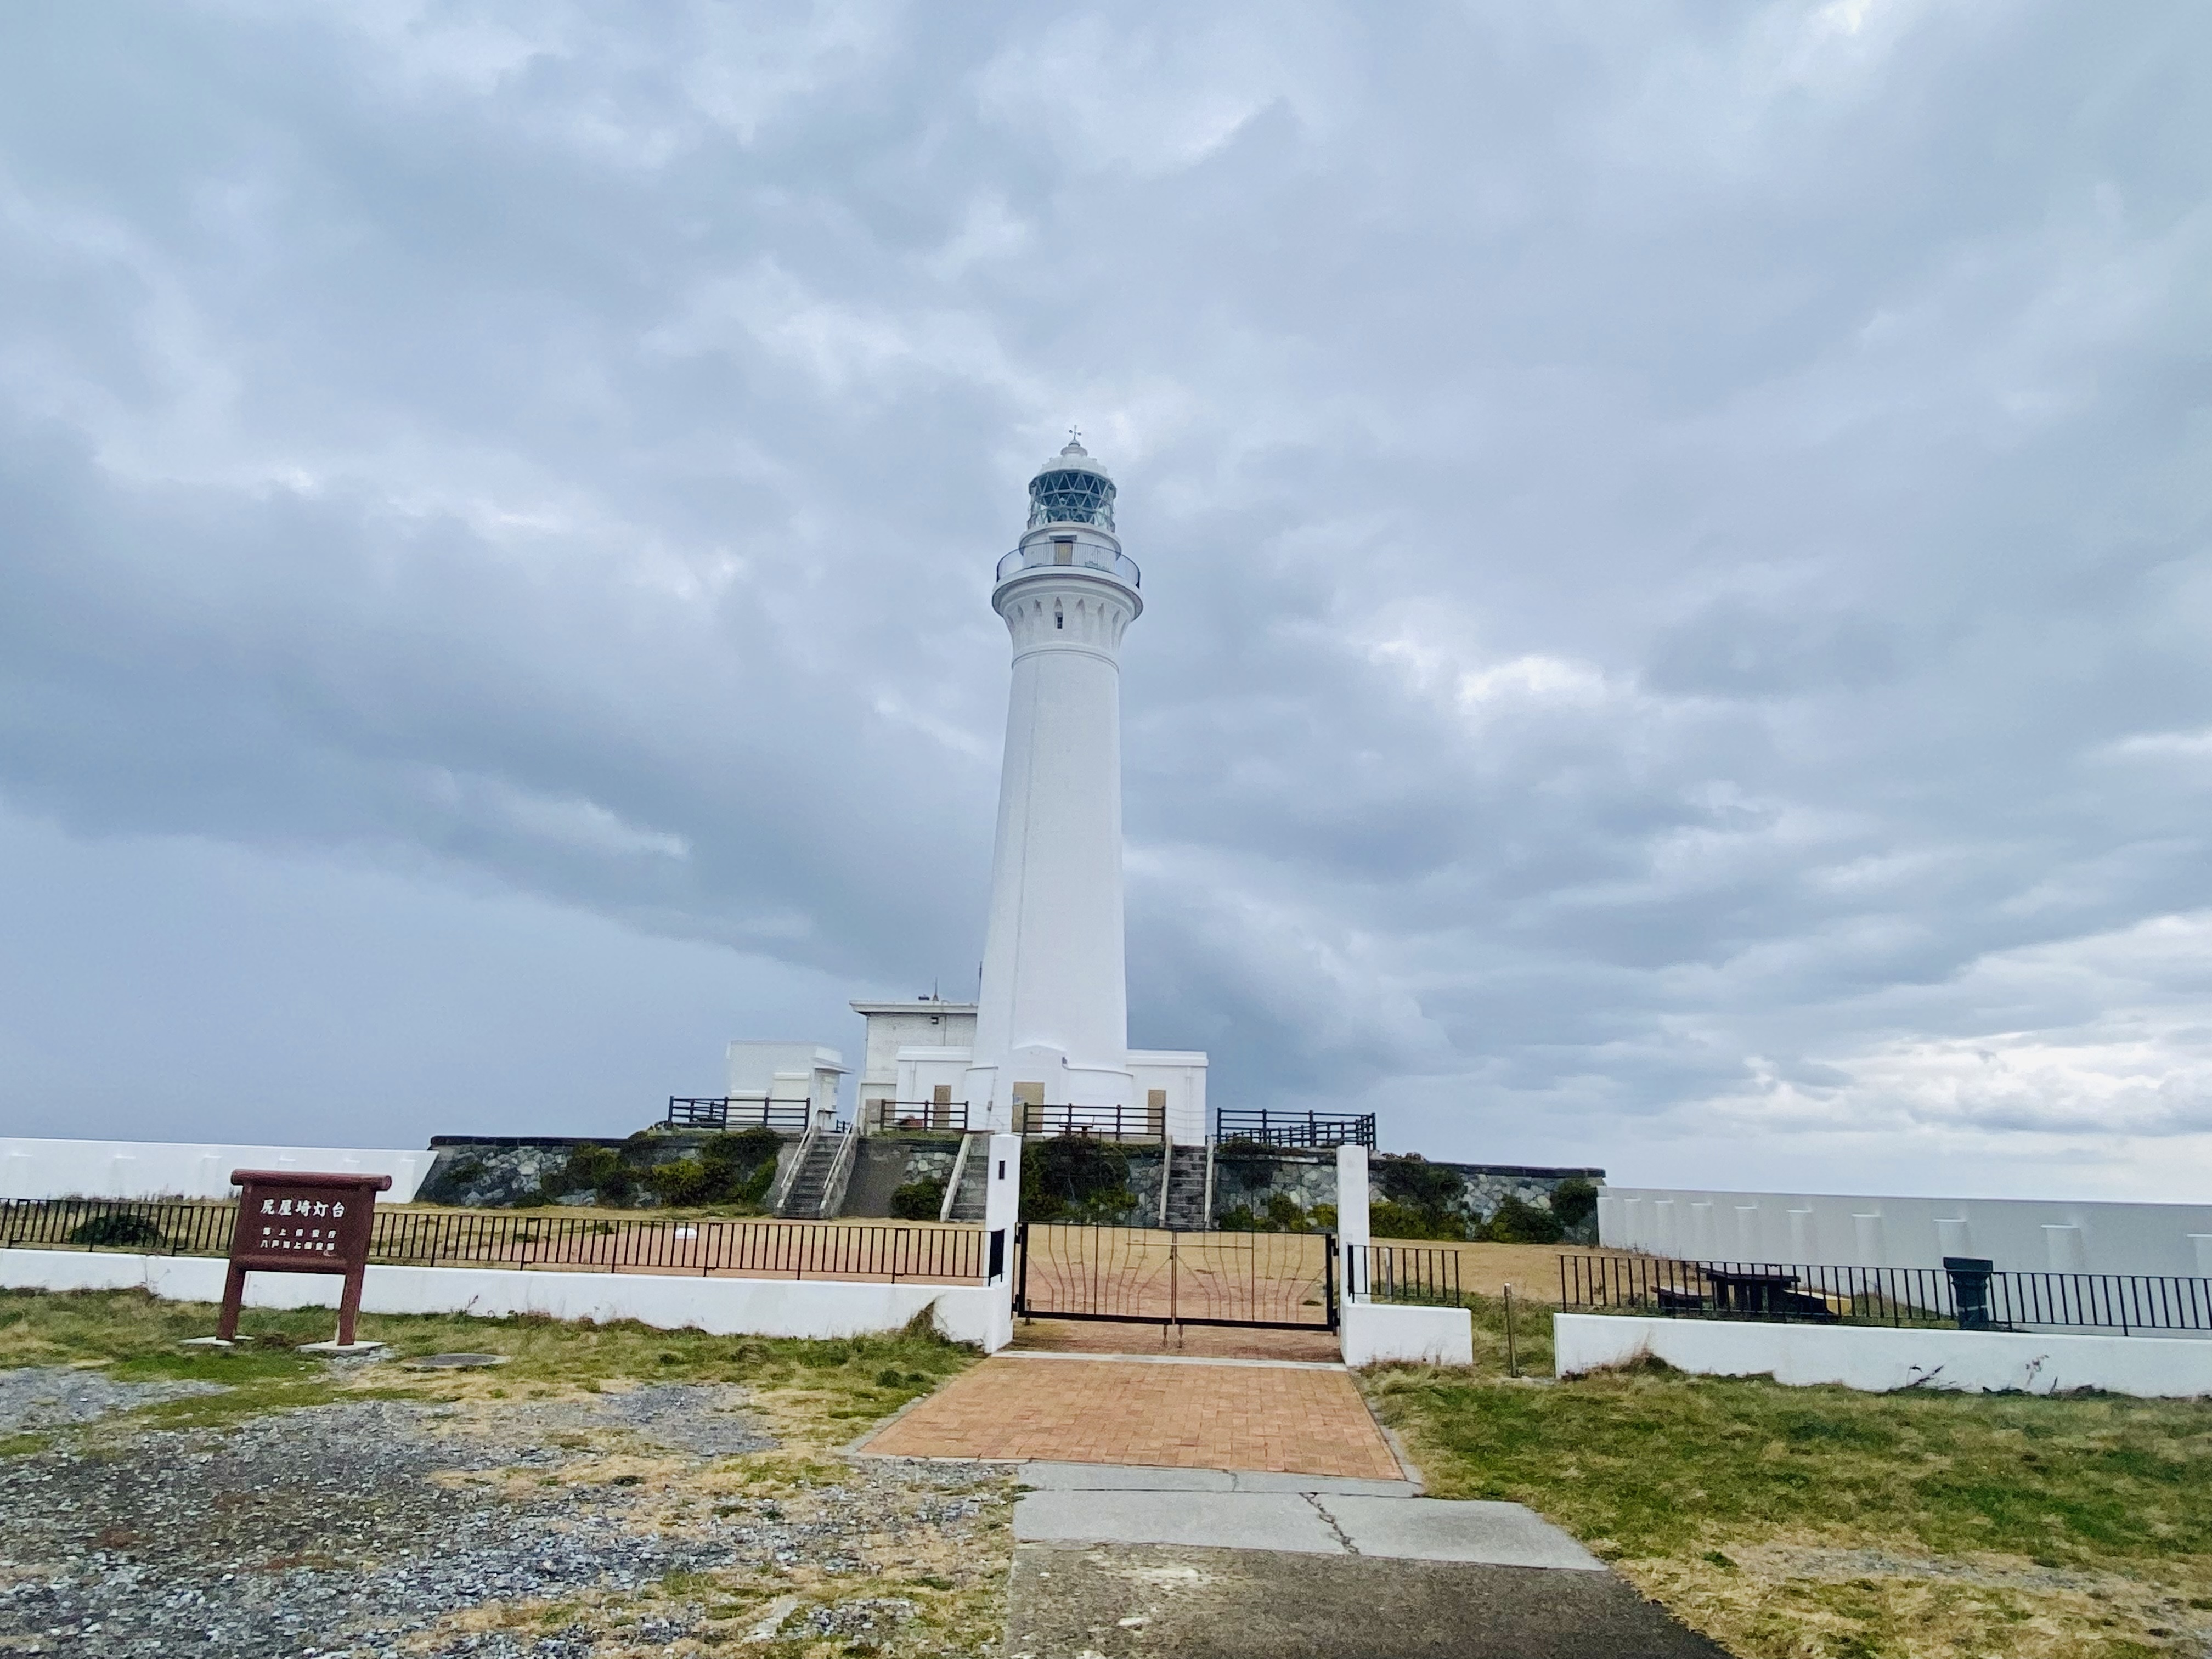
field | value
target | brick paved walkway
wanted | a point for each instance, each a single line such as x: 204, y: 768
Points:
x: 1282, y: 1419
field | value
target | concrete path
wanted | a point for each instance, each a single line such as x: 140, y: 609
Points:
x: 1129, y: 1563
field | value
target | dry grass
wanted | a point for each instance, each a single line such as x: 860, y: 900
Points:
x: 816, y: 1397
x: 1820, y: 1523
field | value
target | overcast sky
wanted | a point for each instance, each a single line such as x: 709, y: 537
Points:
x: 1674, y: 539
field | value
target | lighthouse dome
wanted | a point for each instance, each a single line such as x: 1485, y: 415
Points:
x: 1071, y: 488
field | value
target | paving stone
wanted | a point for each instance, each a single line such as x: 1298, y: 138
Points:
x: 1434, y: 1529
x: 1224, y: 1520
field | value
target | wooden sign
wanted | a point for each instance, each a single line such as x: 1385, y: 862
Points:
x: 296, y: 1221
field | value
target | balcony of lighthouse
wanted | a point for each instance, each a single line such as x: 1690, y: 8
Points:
x: 1070, y: 552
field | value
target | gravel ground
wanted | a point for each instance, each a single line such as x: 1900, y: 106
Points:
x: 49, y: 1396
x: 380, y: 1527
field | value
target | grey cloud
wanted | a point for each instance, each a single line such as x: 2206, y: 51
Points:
x: 1660, y: 531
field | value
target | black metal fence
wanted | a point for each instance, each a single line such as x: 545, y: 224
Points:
x: 1099, y: 1122
x: 930, y: 1116
x: 736, y: 1112
x: 1295, y: 1129
x: 1967, y: 1295
x: 757, y: 1249
x: 1405, y: 1272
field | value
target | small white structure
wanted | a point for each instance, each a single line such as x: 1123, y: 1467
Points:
x: 913, y: 1064
x: 786, y: 1075
x: 2018, y: 1235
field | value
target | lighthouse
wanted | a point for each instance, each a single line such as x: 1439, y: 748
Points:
x: 1046, y: 1049
x: 1052, y: 1020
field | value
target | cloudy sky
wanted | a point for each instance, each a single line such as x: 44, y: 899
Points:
x: 1675, y: 539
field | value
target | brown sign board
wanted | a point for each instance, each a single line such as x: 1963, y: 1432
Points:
x: 301, y: 1221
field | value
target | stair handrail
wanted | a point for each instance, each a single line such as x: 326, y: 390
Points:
x: 841, y: 1175
x: 789, y: 1177
x: 952, y: 1181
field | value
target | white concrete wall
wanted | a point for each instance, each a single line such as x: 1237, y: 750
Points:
x: 155, y: 1169
x: 720, y: 1307
x: 1181, y: 1073
x: 1841, y: 1230
x: 1879, y: 1361
x: 1372, y: 1332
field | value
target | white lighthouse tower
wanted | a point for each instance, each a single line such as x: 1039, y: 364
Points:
x: 1047, y: 1041
x: 1052, y: 1024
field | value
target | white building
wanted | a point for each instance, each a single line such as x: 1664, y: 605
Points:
x: 1045, y: 1047
x: 788, y: 1076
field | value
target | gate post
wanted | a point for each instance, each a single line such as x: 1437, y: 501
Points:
x: 1002, y: 1203
x: 1352, y: 1219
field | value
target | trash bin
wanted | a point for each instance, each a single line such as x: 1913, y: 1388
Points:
x: 1970, y: 1291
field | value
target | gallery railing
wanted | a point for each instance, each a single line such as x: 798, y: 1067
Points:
x: 763, y: 1249
x: 1099, y: 1122
x: 1294, y: 1129
x: 736, y: 1112
x: 1966, y: 1294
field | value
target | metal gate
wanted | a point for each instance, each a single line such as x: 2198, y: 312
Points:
x: 1151, y: 1276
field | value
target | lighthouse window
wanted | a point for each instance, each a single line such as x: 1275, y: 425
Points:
x: 1059, y: 621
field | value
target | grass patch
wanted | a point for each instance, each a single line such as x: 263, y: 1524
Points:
x: 811, y: 1388
x: 1738, y: 1500
x: 23, y: 1445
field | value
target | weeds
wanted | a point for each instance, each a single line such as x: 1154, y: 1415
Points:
x: 1940, y: 1517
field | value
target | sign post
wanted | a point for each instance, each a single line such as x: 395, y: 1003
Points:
x: 295, y: 1221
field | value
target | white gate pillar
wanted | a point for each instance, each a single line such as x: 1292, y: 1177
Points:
x: 1352, y: 1234
x: 1002, y: 1207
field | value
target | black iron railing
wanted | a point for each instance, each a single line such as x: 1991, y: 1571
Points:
x: 1405, y: 1272
x: 761, y: 1249
x: 1100, y: 1122
x: 737, y: 1112
x: 1967, y: 1294
x: 149, y: 1227
x: 1295, y: 1129
x: 937, y: 1116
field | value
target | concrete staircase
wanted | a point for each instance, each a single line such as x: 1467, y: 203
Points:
x: 819, y: 1161
x: 1182, y: 1206
x: 963, y: 1198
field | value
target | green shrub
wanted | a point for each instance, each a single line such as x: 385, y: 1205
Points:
x: 918, y: 1200
x: 116, y: 1227
x: 679, y: 1181
x: 1515, y: 1221
x: 1075, y: 1178
x: 1392, y: 1220
x: 598, y: 1170
x: 1574, y: 1201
